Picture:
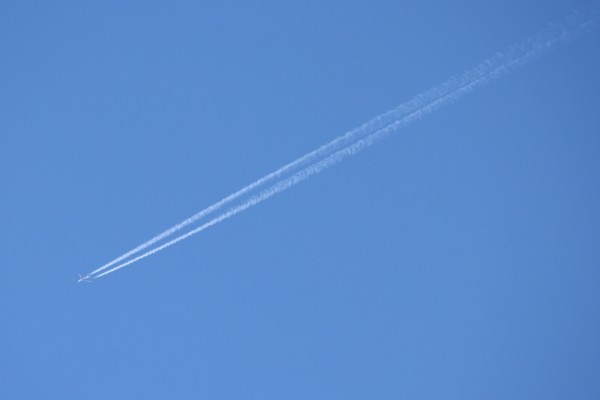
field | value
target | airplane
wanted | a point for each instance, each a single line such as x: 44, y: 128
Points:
x: 86, y: 278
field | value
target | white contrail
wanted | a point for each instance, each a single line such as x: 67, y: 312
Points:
x: 382, y: 126
x: 371, y: 126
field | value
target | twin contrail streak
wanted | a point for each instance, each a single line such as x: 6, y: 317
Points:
x: 369, y: 133
x: 369, y: 127
x: 351, y: 136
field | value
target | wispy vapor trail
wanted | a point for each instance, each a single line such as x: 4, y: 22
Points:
x: 371, y: 126
x: 376, y: 129
x: 367, y: 128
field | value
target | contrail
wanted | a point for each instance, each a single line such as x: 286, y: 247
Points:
x: 371, y: 126
x: 377, y: 129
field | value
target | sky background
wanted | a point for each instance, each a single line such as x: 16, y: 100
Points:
x: 458, y: 259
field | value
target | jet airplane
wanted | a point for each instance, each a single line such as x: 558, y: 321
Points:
x: 86, y: 278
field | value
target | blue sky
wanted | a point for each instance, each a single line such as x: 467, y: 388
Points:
x: 457, y: 259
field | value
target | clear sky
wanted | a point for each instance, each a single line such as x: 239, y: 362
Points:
x: 458, y: 259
